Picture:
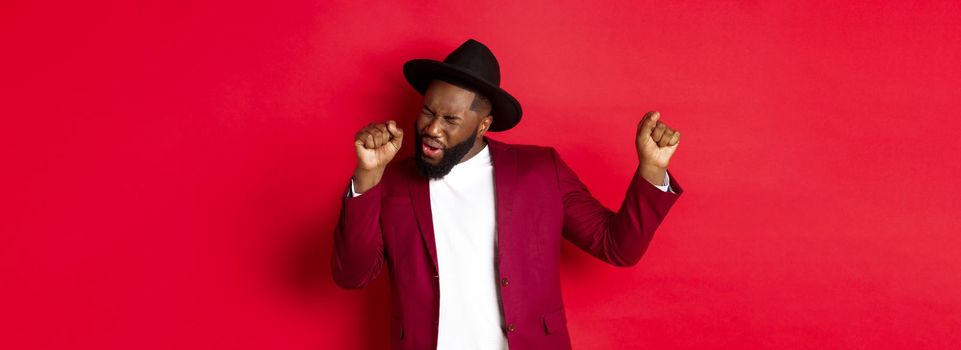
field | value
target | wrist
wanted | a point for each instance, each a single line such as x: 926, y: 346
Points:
x: 653, y: 174
x: 365, y: 179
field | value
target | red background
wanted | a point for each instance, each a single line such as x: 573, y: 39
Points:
x: 172, y: 170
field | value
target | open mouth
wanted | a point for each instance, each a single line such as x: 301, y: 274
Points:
x: 431, y: 148
x: 432, y: 152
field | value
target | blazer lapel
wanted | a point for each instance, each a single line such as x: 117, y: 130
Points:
x: 420, y: 198
x: 505, y: 183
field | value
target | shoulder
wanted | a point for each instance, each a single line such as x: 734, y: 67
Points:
x: 400, y: 169
x: 526, y: 156
x: 524, y: 151
x: 397, y: 174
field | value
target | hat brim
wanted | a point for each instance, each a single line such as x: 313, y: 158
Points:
x: 505, y: 108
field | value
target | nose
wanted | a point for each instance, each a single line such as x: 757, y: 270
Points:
x: 434, y: 128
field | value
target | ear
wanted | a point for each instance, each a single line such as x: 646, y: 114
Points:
x: 485, y: 124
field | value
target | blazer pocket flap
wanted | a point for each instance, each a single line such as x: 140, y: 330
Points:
x: 555, y: 322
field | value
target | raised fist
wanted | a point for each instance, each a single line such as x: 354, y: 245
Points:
x: 656, y: 143
x: 376, y: 144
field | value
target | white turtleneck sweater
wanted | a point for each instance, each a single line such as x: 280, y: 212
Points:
x: 462, y: 205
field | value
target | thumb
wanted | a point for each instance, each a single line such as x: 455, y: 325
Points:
x: 397, y: 135
x: 648, y: 123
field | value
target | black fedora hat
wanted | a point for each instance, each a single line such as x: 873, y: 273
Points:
x: 475, y: 65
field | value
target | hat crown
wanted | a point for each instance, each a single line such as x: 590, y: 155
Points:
x: 473, y: 65
x: 476, y: 58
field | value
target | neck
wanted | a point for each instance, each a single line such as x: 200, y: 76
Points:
x: 478, y: 146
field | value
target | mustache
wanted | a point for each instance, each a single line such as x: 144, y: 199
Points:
x: 422, y: 138
x: 432, y: 142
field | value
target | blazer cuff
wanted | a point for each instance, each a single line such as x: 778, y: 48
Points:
x: 673, y: 188
x: 350, y: 195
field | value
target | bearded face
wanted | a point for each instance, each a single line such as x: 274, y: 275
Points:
x: 427, y: 149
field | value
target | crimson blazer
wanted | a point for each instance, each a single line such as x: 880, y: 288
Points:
x: 539, y: 199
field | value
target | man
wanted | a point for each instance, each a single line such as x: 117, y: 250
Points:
x: 470, y: 228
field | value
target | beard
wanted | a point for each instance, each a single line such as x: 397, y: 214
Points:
x: 452, y: 156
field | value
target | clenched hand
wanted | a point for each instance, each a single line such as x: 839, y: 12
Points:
x: 376, y: 145
x: 656, y: 143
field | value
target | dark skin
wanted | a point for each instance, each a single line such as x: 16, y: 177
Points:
x: 447, y: 119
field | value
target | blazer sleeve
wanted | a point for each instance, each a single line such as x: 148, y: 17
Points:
x: 358, y: 244
x: 619, y: 238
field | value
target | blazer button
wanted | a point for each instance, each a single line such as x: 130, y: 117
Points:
x: 511, y: 328
x: 504, y: 281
